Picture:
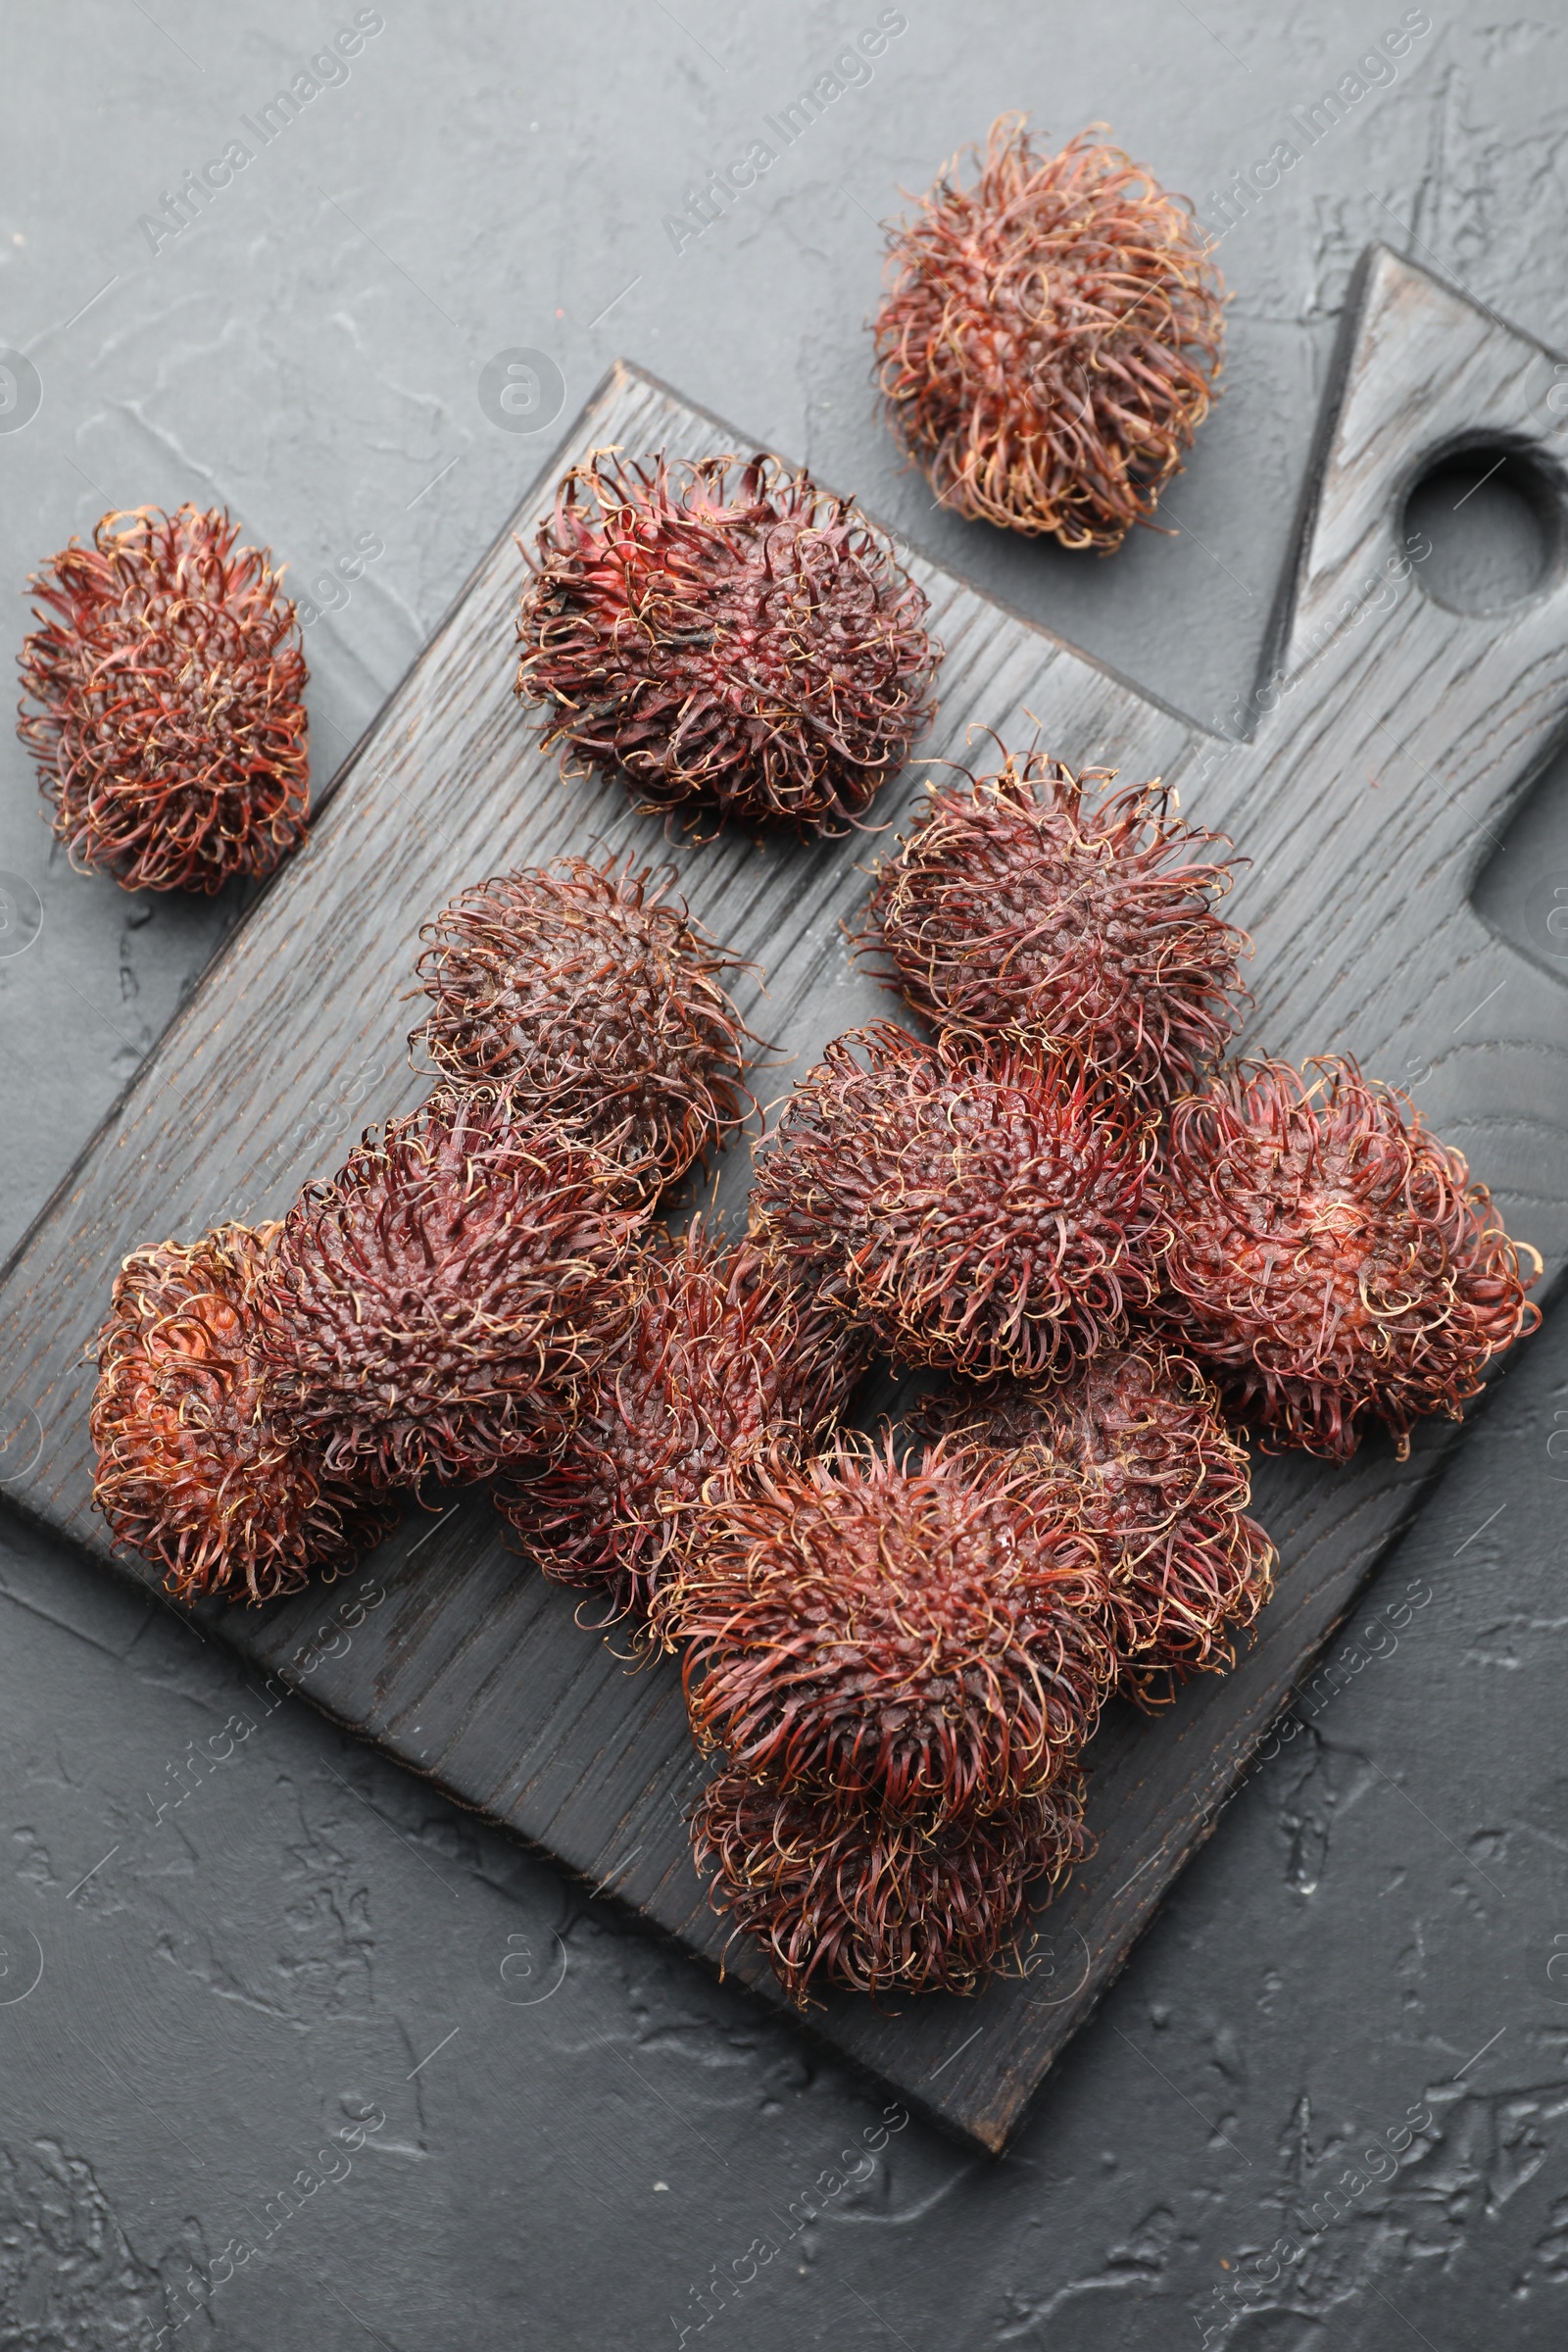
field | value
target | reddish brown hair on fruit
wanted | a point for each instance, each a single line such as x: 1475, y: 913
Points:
x: 991, y: 1214
x: 928, y: 1631
x: 440, y: 1306
x: 1332, y: 1262
x: 197, y: 1470
x: 170, y: 733
x: 1162, y: 1486
x: 718, y: 1359
x: 1050, y: 340
x: 596, y: 1001
x: 839, y: 1891
x: 1014, y: 911
x: 726, y: 632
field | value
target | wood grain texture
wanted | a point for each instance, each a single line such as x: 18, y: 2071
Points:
x: 1399, y: 738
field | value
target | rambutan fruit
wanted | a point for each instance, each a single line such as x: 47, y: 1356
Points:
x: 1050, y: 340
x: 928, y: 1632
x: 842, y: 1890
x: 596, y: 1003
x: 197, y: 1470
x: 988, y: 1214
x: 170, y: 736
x: 1012, y: 911
x: 717, y: 1360
x: 442, y: 1303
x: 1332, y: 1262
x: 725, y: 631
x: 1162, y: 1486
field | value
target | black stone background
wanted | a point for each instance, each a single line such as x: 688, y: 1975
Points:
x: 312, y: 1935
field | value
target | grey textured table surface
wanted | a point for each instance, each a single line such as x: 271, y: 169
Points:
x: 585, y: 2139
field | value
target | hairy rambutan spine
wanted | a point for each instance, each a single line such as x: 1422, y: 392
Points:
x: 597, y: 1002
x: 1014, y: 911
x: 844, y: 1891
x: 170, y: 733
x: 1050, y: 340
x: 723, y: 630
x: 927, y: 1633
x: 717, y: 1361
x: 1332, y: 1262
x: 198, y: 1469
x: 440, y: 1306
x: 985, y: 1213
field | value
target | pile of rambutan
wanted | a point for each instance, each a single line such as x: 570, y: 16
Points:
x: 1123, y: 1254
x: 1127, y: 1255
x: 1323, y: 1260
x: 474, y: 1294
x: 899, y: 1662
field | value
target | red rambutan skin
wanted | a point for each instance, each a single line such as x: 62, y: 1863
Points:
x: 725, y: 631
x: 842, y: 1891
x: 988, y: 1214
x: 928, y: 1632
x: 596, y: 1003
x: 1162, y: 1486
x: 1331, y: 1259
x: 1050, y: 340
x: 441, y: 1303
x: 170, y: 733
x: 718, y: 1359
x: 197, y: 1470
x: 1014, y: 912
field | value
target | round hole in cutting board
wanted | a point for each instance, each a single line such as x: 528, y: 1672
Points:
x: 1492, y: 520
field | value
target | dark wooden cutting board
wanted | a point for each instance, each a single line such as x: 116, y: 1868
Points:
x: 1400, y: 737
